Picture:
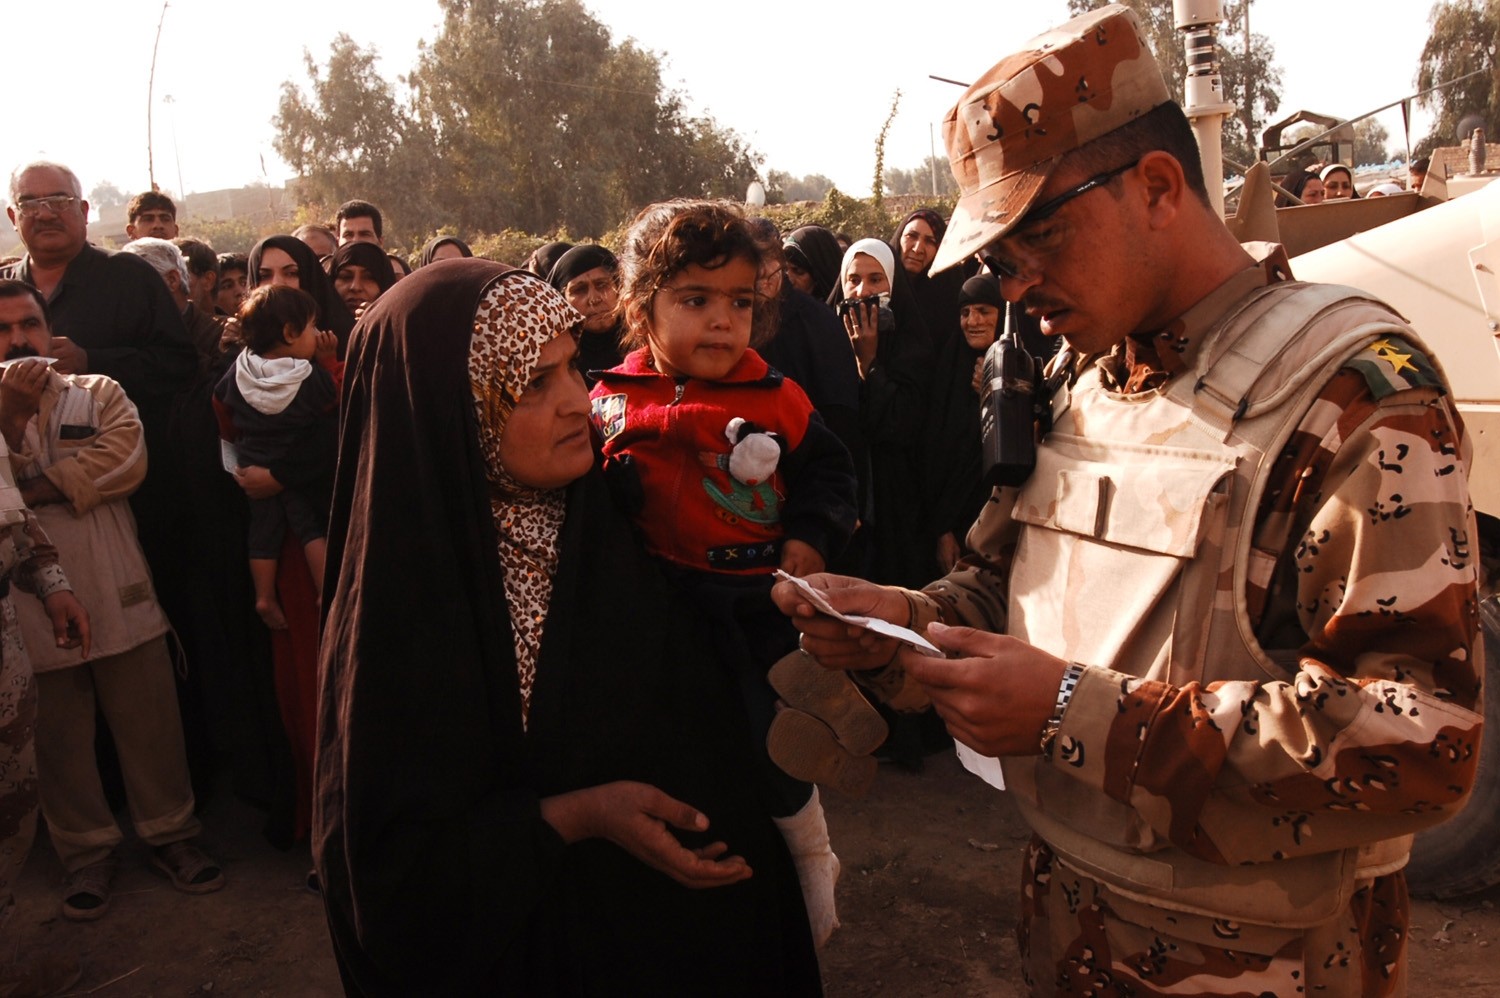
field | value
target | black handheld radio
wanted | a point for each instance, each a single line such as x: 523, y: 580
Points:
x: 1008, y: 410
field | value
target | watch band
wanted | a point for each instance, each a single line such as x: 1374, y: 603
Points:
x: 1065, y: 689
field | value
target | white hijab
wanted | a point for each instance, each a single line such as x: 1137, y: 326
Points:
x: 879, y: 251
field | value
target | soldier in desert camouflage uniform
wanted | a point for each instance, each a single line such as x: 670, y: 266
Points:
x: 1224, y: 639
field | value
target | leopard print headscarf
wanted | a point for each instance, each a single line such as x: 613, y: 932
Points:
x: 518, y: 316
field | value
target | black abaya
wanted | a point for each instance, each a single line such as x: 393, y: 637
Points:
x: 439, y: 874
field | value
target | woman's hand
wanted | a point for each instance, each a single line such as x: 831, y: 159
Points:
x: 257, y: 482
x: 635, y: 817
x: 862, y: 323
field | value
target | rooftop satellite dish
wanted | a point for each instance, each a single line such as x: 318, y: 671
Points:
x: 755, y: 194
x: 1467, y: 124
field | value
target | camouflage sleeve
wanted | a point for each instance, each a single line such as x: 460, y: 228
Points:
x: 37, y: 570
x: 1375, y: 585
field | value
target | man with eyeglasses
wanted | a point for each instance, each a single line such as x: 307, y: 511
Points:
x: 1221, y: 643
x: 111, y: 313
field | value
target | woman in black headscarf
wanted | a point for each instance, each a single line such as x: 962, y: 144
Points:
x: 808, y: 343
x: 434, y: 250
x: 1305, y: 186
x: 812, y: 260
x: 524, y: 813
x: 915, y: 244
x: 589, y: 278
x: 361, y: 272
x: 545, y: 256
x: 288, y: 260
x: 953, y: 468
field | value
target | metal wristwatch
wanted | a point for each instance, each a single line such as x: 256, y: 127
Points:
x: 1065, y: 689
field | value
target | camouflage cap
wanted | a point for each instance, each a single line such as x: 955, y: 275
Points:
x: 1063, y: 88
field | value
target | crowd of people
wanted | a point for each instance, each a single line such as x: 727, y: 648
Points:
x: 468, y: 573
x: 1335, y: 182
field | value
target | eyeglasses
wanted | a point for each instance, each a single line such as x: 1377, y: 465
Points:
x: 54, y: 204
x: 1038, y: 242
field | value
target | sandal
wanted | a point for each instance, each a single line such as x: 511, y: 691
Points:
x: 831, y: 697
x: 805, y: 748
x: 188, y: 868
x: 86, y: 896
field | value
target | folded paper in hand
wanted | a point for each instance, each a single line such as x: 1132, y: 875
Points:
x: 882, y: 627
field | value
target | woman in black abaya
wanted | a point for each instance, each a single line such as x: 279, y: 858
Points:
x: 524, y: 759
x: 915, y: 244
x: 288, y: 260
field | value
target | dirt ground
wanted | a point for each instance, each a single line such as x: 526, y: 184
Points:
x: 926, y: 901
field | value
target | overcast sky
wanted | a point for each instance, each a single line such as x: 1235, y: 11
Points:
x: 807, y: 83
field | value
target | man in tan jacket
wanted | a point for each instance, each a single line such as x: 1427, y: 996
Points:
x: 1221, y: 643
x: 77, y: 453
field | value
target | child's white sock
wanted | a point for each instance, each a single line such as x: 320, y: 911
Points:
x: 806, y: 835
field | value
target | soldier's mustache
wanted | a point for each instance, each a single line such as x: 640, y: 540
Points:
x: 1041, y: 304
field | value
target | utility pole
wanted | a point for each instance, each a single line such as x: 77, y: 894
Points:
x: 151, y: 98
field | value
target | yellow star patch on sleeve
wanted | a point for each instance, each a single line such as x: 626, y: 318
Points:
x: 1387, y: 352
x: 1404, y: 367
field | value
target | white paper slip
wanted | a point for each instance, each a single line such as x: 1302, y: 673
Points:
x: 49, y: 361
x: 903, y: 634
x: 986, y: 767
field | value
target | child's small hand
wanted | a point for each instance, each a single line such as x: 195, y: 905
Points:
x: 800, y: 558
x: 328, y: 344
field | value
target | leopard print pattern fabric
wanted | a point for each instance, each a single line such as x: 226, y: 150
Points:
x: 517, y: 316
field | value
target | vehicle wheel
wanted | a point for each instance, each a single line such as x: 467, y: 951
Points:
x: 1462, y: 855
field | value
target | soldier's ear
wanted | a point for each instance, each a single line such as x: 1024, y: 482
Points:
x: 1163, y: 186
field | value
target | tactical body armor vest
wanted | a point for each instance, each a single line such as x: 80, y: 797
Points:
x: 1139, y: 506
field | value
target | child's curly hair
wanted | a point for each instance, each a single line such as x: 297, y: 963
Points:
x: 667, y: 237
x: 270, y: 311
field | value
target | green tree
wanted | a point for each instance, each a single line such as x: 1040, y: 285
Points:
x: 539, y: 121
x: 106, y: 195
x: 813, y: 187
x: 352, y: 137
x: 1371, y: 142
x: 919, y: 179
x: 1252, y: 80
x: 837, y: 211
x: 1464, y: 39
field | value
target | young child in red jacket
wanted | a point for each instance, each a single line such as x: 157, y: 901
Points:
x: 730, y: 475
